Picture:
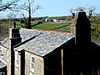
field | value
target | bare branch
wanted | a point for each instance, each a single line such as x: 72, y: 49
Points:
x: 8, y: 5
x: 73, y: 13
x: 35, y: 9
x: 91, y: 10
x: 24, y: 17
x: 29, y: 8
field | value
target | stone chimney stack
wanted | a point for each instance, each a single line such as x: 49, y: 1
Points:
x: 15, y: 38
x: 83, y: 30
x: 14, y: 35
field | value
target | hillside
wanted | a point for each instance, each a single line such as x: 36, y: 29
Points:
x: 61, y: 23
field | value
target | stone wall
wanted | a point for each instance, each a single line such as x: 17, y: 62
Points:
x: 6, y: 56
x: 38, y: 64
x: 8, y: 62
x: 17, y: 63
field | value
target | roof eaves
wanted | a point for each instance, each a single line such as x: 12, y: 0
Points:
x: 33, y: 53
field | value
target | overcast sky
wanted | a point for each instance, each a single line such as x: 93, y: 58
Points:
x: 62, y: 7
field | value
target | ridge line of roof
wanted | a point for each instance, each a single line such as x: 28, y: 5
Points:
x: 46, y: 31
x: 26, y: 40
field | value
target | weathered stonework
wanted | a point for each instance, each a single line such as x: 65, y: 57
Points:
x: 38, y: 64
x: 35, y: 44
x: 8, y: 62
x: 17, y: 67
x: 6, y: 56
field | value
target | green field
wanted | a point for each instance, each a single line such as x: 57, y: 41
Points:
x: 52, y: 26
x: 5, y: 24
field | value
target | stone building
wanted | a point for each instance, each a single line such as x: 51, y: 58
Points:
x: 41, y: 50
x: 30, y: 52
x: 37, y: 52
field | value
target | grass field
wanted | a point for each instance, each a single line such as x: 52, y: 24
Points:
x: 64, y: 27
x: 52, y: 26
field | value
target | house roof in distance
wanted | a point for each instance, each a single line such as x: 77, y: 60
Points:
x: 41, y: 42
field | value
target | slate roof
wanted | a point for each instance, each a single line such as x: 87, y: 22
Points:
x: 39, y: 42
x: 42, y: 42
x: 2, y: 37
x: 2, y: 64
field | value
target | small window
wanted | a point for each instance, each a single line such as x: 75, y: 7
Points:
x: 1, y: 53
x: 32, y: 62
x: 32, y: 66
x: 16, y: 59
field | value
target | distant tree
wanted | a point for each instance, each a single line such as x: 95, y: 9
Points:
x: 80, y: 9
x: 30, y: 9
x: 91, y: 10
x: 94, y: 19
x: 73, y: 13
x: 3, y: 7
